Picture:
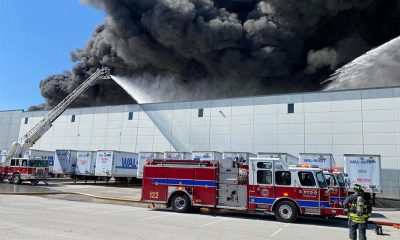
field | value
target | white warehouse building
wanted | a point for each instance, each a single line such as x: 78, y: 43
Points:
x: 339, y: 122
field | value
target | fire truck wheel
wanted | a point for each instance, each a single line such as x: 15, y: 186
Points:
x: 286, y: 211
x: 180, y: 203
x: 16, y: 179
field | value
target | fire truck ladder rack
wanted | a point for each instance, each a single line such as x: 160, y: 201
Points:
x: 35, y: 133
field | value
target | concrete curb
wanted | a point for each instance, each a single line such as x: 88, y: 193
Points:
x: 109, y: 198
x: 74, y: 193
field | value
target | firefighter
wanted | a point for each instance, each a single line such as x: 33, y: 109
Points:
x: 358, y: 208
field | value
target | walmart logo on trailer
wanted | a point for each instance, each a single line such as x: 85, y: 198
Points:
x: 318, y: 160
x: 128, y: 163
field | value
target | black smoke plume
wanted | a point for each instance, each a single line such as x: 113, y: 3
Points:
x: 224, y: 48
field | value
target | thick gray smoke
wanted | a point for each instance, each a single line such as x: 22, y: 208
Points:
x: 223, y: 48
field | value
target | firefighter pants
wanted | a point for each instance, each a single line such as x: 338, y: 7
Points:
x: 362, y: 229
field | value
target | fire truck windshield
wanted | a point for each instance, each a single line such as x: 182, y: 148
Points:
x: 38, y: 163
x: 340, y: 180
x: 321, y: 179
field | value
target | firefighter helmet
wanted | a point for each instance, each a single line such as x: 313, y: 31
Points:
x: 358, y: 188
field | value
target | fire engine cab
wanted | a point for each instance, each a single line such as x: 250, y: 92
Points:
x: 262, y: 185
x: 337, y: 184
x: 22, y: 169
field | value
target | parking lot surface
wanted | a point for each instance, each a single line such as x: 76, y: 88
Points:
x: 38, y: 217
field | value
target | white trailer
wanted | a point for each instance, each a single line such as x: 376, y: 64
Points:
x: 284, y: 157
x: 3, y: 155
x: 104, y: 163
x: 45, y: 155
x: 125, y: 165
x: 85, y: 164
x: 117, y: 164
x: 65, y: 162
x: 206, y: 155
x: 143, y: 156
x: 322, y: 160
x: 364, y: 170
x: 177, y: 155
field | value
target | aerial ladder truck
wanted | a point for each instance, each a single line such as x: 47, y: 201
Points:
x: 17, y: 169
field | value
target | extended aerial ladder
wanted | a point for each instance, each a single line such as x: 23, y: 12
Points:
x: 35, y: 133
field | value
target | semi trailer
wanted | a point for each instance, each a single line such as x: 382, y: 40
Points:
x: 120, y: 165
x: 364, y: 170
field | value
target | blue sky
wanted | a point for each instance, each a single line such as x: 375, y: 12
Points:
x: 36, y: 37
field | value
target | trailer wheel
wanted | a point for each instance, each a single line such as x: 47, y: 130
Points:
x: 180, y: 203
x: 16, y: 179
x: 286, y: 211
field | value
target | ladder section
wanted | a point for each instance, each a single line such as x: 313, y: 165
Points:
x: 35, y: 133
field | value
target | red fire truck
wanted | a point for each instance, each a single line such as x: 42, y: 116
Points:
x: 334, y: 178
x: 337, y: 184
x: 23, y: 169
x: 262, y: 185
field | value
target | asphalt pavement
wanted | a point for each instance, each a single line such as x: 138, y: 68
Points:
x: 36, y: 217
x: 70, y: 216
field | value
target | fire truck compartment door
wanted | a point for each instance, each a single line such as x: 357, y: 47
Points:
x: 154, y: 185
x: 228, y: 178
x: 229, y: 170
x: 228, y: 175
x: 231, y: 195
x: 205, y: 186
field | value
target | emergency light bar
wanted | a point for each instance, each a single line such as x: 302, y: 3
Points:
x: 304, y: 165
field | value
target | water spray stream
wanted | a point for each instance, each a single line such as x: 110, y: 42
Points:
x: 379, y: 67
x: 148, y: 88
x: 134, y: 91
x: 142, y: 95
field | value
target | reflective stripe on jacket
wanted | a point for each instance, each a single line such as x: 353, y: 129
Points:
x: 359, y: 219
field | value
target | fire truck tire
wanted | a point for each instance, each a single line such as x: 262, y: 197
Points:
x: 180, y: 203
x: 286, y: 211
x: 16, y: 179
